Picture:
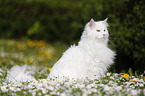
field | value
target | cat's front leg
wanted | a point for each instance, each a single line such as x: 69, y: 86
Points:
x: 96, y: 68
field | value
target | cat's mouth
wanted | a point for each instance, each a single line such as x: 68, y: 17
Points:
x: 103, y: 37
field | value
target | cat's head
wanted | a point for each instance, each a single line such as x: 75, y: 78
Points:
x: 97, y: 30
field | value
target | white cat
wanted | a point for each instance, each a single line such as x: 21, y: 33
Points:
x: 90, y: 58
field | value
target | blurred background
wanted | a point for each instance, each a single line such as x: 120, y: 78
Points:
x: 64, y: 21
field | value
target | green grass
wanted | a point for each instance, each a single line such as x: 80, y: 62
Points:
x: 29, y: 52
x: 43, y: 56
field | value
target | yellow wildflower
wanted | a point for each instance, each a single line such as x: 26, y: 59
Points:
x: 126, y: 76
x: 26, y: 62
x: 30, y: 43
x: 20, y: 46
x: 132, y: 80
x: 48, y: 55
x: 40, y: 43
x: 30, y: 60
x: 49, y: 69
x: 45, y: 74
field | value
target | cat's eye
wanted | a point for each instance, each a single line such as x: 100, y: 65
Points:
x: 98, y: 30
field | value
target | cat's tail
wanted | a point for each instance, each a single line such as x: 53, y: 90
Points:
x: 20, y: 74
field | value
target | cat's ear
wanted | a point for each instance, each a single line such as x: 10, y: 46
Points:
x: 91, y: 22
x: 106, y: 20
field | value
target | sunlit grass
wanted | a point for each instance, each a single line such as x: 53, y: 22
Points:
x: 29, y: 52
x: 43, y: 56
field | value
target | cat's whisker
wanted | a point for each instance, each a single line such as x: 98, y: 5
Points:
x: 111, y: 41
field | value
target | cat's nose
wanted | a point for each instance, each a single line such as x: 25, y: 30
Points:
x: 104, y: 34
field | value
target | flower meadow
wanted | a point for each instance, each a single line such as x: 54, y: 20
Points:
x: 43, y: 56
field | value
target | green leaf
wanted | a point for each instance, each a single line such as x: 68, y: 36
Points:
x: 34, y: 29
x: 136, y: 74
x: 130, y: 72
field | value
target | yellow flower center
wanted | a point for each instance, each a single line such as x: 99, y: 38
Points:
x: 49, y: 69
x: 126, y: 76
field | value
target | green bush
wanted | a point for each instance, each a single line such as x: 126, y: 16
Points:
x: 130, y: 37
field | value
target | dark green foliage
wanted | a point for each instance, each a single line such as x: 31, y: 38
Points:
x: 64, y: 20
x: 55, y: 20
x: 130, y: 37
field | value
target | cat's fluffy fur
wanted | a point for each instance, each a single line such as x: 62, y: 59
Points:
x: 20, y: 73
x: 90, y: 58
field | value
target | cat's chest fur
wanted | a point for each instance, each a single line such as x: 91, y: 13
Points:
x: 98, y: 53
x: 98, y: 58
